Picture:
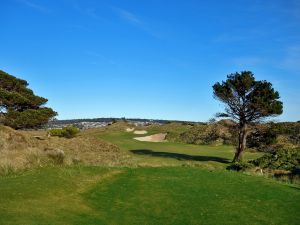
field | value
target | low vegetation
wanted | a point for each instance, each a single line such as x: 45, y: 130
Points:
x: 284, y: 159
x: 217, y: 133
x: 271, y: 137
x: 23, y: 150
x: 66, y: 132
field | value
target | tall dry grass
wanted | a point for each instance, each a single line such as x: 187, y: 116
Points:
x: 21, y: 150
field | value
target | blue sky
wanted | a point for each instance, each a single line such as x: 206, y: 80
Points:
x: 149, y: 59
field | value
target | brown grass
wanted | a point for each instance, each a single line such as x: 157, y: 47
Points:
x: 21, y: 150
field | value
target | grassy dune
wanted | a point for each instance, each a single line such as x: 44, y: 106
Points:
x: 23, y: 150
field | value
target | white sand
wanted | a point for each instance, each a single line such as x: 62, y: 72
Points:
x: 129, y: 129
x: 153, y: 138
x: 140, y: 132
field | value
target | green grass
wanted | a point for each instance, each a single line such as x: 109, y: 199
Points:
x: 173, y: 183
x: 171, y: 153
x: 177, y: 195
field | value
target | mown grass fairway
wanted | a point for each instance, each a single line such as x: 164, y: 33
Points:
x: 171, y: 153
x: 94, y: 195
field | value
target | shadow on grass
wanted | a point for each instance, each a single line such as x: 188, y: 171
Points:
x: 179, y: 156
x: 297, y: 188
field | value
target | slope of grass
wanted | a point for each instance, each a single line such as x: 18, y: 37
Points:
x: 170, y: 153
x: 94, y: 195
x: 49, y: 195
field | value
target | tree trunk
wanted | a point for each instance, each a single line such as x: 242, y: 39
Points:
x: 242, y: 143
x: 2, y: 117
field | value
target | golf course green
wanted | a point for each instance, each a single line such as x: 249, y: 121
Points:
x: 170, y: 183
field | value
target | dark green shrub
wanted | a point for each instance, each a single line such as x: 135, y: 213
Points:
x: 261, y: 139
x: 240, y: 166
x: 70, y: 131
x: 55, y: 132
x: 296, y: 170
x: 272, y: 137
x: 284, y: 159
x: 66, y: 132
x: 217, y: 133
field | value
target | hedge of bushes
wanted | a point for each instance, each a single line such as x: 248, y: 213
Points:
x: 283, y: 159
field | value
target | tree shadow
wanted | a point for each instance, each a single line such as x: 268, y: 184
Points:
x: 179, y: 156
x: 297, y: 188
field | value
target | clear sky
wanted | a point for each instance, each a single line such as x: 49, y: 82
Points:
x: 149, y: 59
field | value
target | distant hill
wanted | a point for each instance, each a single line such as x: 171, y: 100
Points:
x: 100, y: 122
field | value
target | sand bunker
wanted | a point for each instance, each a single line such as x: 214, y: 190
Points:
x: 153, y: 138
x: 140, y: 132
x: 129, y: 129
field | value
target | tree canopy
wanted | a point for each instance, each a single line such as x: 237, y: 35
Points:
x: 247, y: 101
x: 19, y: 106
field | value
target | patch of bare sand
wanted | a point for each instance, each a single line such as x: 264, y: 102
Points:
x: 153, y: 138
x: 129, y: 129
x: 140, y: 132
